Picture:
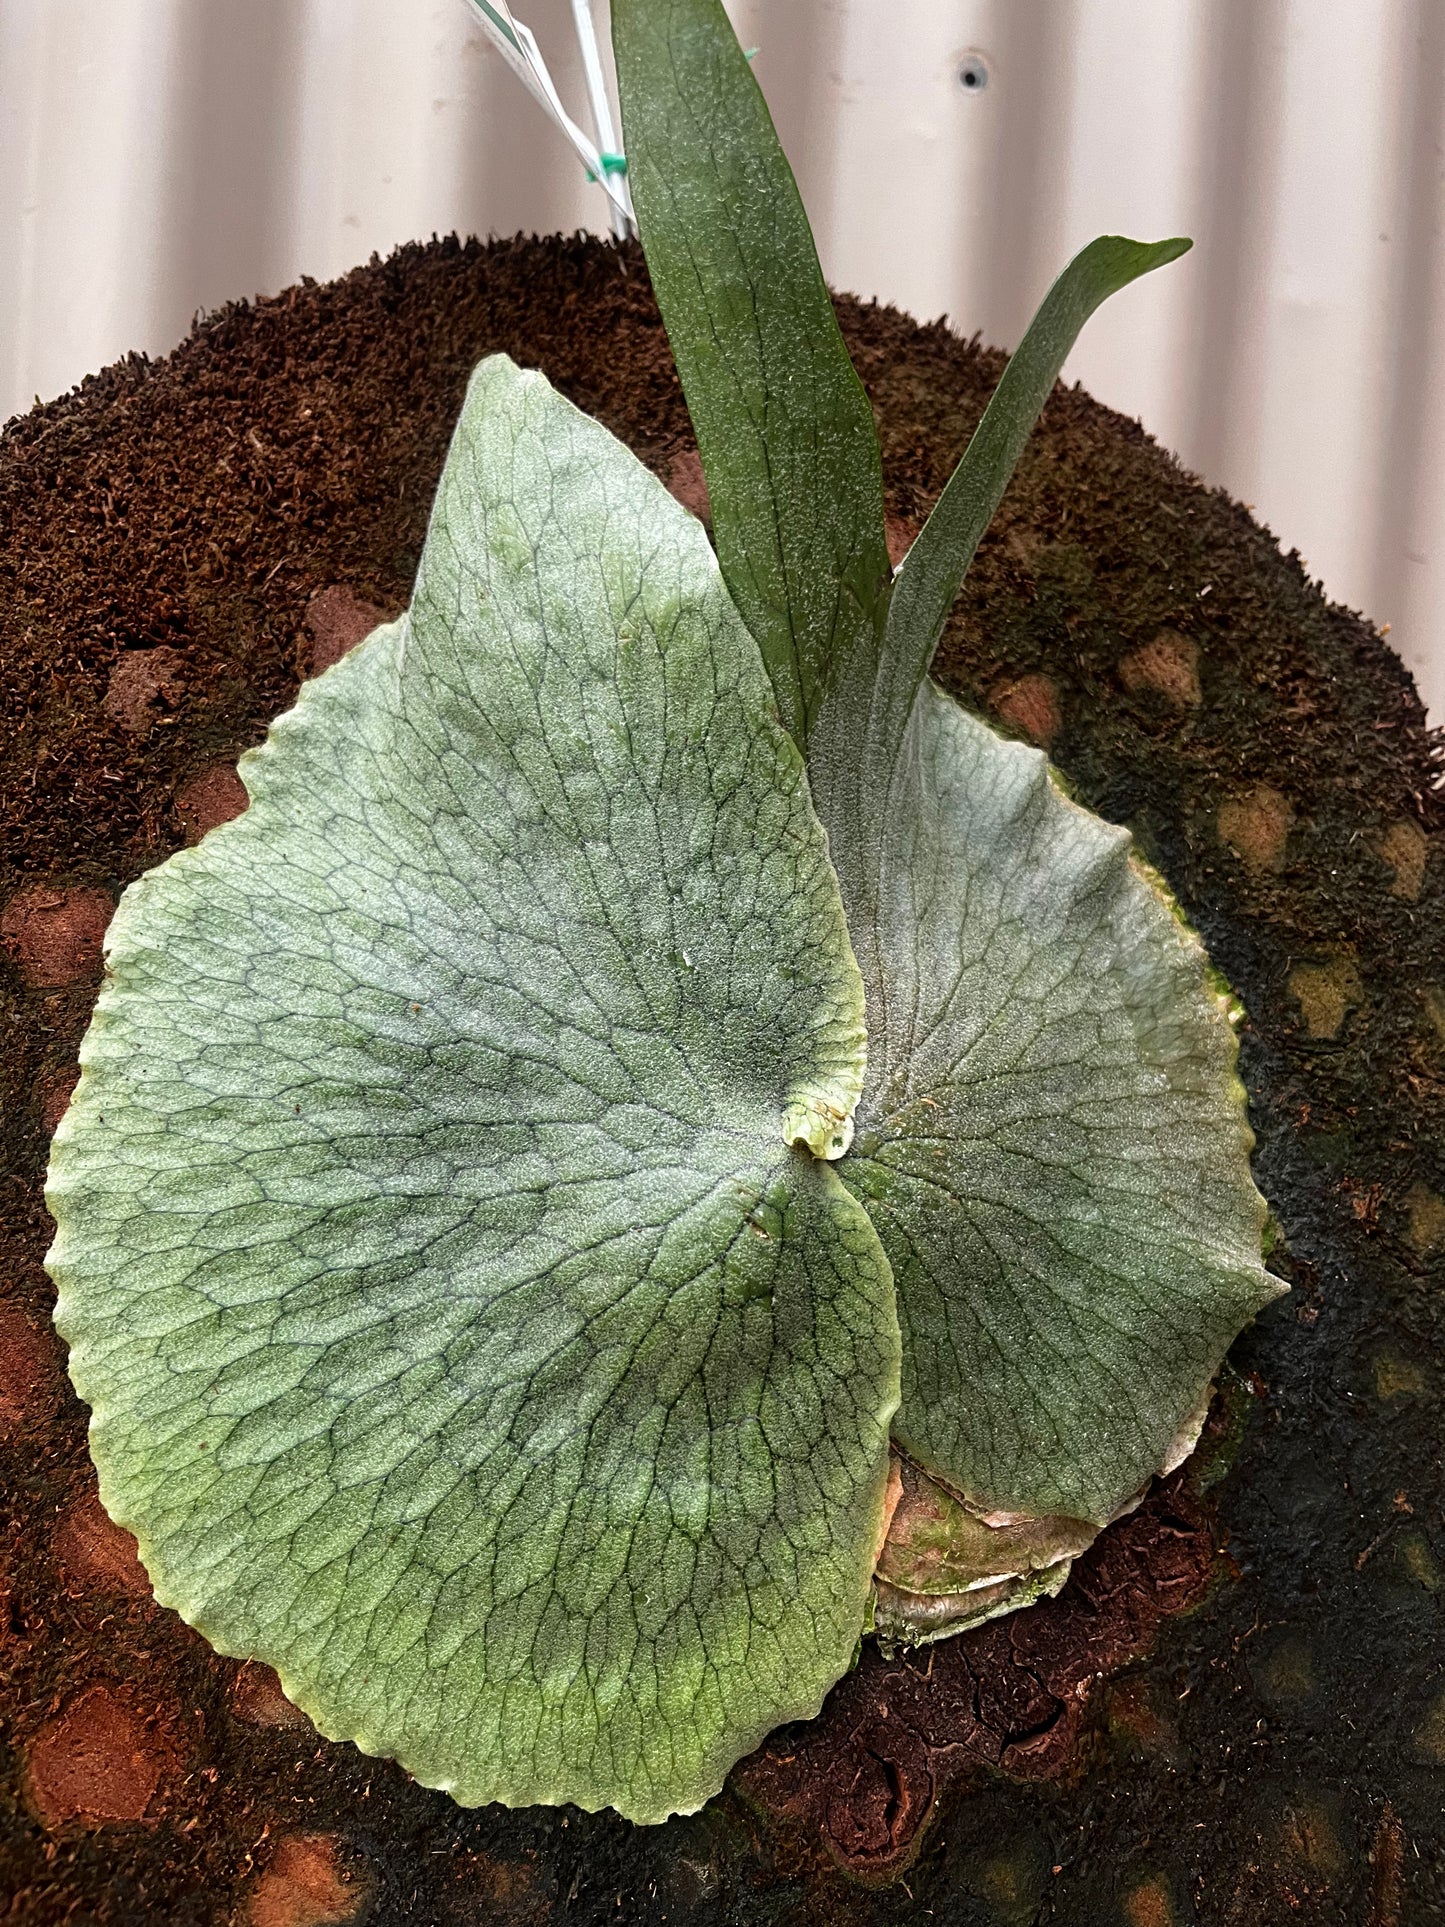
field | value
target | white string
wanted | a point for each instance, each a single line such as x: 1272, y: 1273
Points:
x: 601, y: 111
x: 518, y: 47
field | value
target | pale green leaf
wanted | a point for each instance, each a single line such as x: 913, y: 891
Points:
x: 944, y: 1567
x: 1052, y: 1140
x: 903, y: 1619
x: 464, y: 1338
x: 935, y: 1544
x: 783, y: 425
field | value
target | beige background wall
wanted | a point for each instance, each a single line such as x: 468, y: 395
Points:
x: 158, y: 157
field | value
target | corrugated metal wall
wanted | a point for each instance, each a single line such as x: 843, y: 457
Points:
x: 161, y: 156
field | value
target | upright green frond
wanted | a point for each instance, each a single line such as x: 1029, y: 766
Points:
x: 784, y: 427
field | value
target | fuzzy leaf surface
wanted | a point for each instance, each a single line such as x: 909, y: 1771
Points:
x: 470, y: 1331
x: 1052, y: 1140
x: 783, y: 425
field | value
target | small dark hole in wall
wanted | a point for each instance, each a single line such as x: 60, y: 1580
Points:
x: 973, y: 73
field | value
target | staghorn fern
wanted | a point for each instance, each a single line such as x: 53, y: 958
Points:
x: 644, y: 1049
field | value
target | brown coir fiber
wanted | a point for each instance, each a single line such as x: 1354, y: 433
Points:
x: 1236, y: 1711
